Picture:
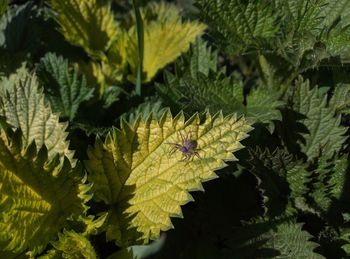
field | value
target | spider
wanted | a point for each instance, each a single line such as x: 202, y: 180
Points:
x: 188, y: 147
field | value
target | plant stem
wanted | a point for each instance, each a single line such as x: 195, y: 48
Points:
x: 286, y: 84
x: 140, y: 46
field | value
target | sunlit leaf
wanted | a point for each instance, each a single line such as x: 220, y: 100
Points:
x: 88, y: 24
x: 144, y: 180
x: 37, y: 194
x: 165, y: 34
x: 23, y: 105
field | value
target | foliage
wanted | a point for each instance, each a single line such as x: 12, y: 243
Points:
x: 24, y: 107
x: 71, y: 245
x: 114, y: 114
x: 65, y: 90
x: 275, y: 238
x: 152, y: 181
x: 41, y: 185
x: 293, y: 35
x: 113, y: 48
x: 198, y: 85
x: 87, y: 24
x: 325, y: 134
x: 164, y: 27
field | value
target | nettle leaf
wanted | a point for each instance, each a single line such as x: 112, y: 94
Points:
x: 64, y: 88
x: 210, y: 88
x: 269, y: 77
x: 328, y: 183
x: 325, y: 134
x: 247, y: 25
x: 93, y: 225
x: 262, y: 105
x: 271, y: 170
x: 239, y: 25
x: 335, y: 42
x: 71, y: 245
x: 337, y: 181
x: 218, y: 92
x: 177, y: 92
x: 345, y: 234
x: 165, y: 34
x: 298, y: 178
x: 341, y: 99
x: 292, y: 242
x: 200, y: 59
x: 24, y: 107
x: 336, y: 9
x: 305, y: 15
x: 319, y: 188
x: 144, y: 179
x: 88, y: 24
x: 277, y: 238
x: 336, y: 38
x: 37, y: 194
x: 144, y: 110
x: 294, y: 35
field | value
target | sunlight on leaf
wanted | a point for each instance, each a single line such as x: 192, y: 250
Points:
x: 88, y: 24
x: 24, y: 107
x: 37, y: 194
x: 136, y: 173
x: 165, y: 39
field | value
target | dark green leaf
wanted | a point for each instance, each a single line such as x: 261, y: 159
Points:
x: 63, y: 87
x: 325, y: 134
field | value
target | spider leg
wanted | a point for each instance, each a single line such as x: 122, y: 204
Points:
x: 182, y: 137
x: 174, y: 147
x: 175, y: 144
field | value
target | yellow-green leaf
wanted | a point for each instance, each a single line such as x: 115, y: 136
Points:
x: 88, y: 24
x: 37, y: 194
x: 144, y: 180
x: 71, y: 245
x: 166, y: 37
x: 93, y: 225
x: 23, y: 105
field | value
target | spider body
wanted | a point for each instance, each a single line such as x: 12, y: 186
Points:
x: 188, y: 147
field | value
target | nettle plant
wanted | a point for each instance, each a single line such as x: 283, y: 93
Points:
x: 112, y: 112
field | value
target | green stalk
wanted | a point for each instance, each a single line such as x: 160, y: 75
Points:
x: 140, y: 43
x: 3, y: 6
x: 286, y: 84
